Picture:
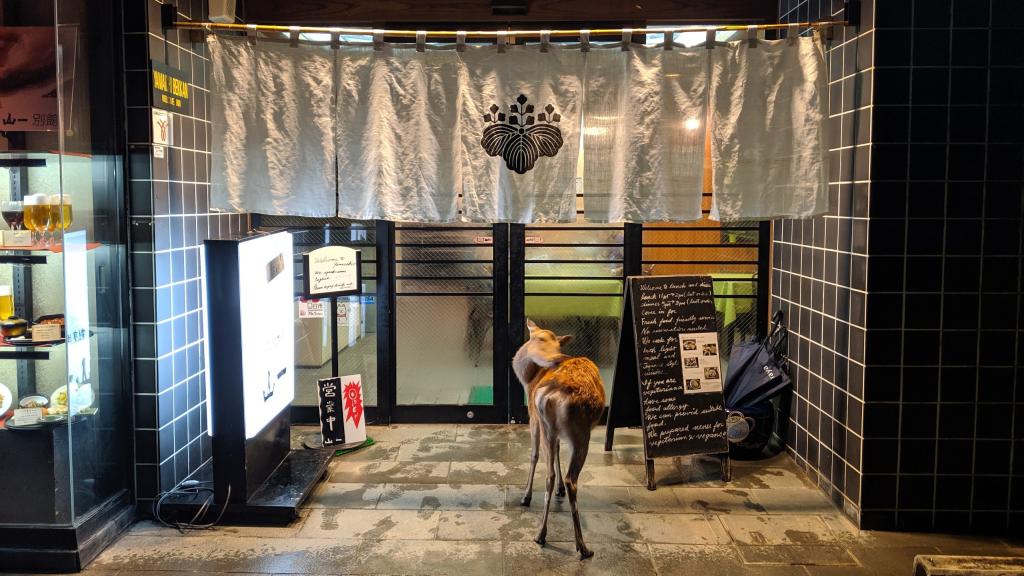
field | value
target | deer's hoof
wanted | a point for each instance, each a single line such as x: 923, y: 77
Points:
x: 526, y: 501
x: 541, y: 540
x: 561, y: 492
x: 586, y: 553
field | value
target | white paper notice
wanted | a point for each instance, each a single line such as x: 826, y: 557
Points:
x: 702, y: 366
x: 27, y: 416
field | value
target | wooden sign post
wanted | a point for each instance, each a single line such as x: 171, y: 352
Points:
x: 668, y: 378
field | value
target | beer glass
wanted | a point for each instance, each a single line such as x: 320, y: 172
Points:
x: 37, y: 215
x: 6, y: 302
x: 60, y: 212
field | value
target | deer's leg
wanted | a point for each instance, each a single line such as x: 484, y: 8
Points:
x: 578, y: 450
x: 558, y: 470
x: 534, y: 456
x: 551, y: 451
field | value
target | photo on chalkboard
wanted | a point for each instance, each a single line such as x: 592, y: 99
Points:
x: 702, y: 367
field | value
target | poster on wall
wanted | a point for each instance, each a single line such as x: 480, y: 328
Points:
x: 317, y: 308
x: 268, y: 330
x: 28, y: 79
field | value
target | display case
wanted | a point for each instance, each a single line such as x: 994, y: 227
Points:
x: 65, y: 416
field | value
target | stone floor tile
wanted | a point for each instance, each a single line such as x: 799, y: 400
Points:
x: 813, y: 555
x: 429, y: 558
x: 376, y: 453
x: 456, y: 451
x: 345, y: 495
x: 335, y: 523
x: 622, y: 437
x: 349, y: 472
x: 773, y: 478
x: 602, y: 498
x: 610, y: 559
x: 402, y: 433
x: 777, y: 530
x: 408, y: 472
x: 780, y: 460
x: 150, y: 528
x: 847, y: 571
x: 684, y: 560
x: 492, y: 433
x: 141, y: 554
x: 716, y: 500
x: 503, y: 525
x: 889, y: 560
x: 677, y: 529
x: 663, y: 500
x: 442, y: 497
x: 488, y: 473
x: 946, y: 543
x: 628, y: 475
x: 610, y: 527
x: 791, y: 500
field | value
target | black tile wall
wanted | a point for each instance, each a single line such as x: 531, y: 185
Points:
x: 940, y: 378
x: 170, y: 218
x: 824, y: 260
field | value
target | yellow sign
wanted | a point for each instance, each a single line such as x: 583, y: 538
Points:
x: 171, y: 90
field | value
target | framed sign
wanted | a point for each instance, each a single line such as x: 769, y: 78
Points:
x: 332, y: 271
x: 170, y: 89
x: 668, y: 378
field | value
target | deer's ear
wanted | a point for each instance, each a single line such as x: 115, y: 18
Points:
x: 563, y: 340
x: 531, y: 325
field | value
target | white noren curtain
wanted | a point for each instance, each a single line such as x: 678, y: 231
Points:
x: 273, y: 133
x: 439, y: 133
x: 768, y: 144
x: 643, y: 136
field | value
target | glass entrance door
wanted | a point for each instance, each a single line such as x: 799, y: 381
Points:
x: 450, y: 323
x: 568, y: 279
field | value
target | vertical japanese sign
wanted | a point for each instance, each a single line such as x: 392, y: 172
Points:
x: 332, y: 427
x: 342, y: 418
x: 28, y: 79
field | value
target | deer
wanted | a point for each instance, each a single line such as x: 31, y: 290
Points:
x: 565, y: 400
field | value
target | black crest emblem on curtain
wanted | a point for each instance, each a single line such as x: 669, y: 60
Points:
x: 521, y: 138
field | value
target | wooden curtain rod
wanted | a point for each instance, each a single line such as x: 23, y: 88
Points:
x: 214, y: 26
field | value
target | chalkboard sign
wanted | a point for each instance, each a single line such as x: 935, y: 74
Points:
x: 668, y: 378
x: 332, y: 426
x: 332, y: 271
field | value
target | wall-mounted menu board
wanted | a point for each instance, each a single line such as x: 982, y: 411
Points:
x: 332, y: 271
x: 668, y: 378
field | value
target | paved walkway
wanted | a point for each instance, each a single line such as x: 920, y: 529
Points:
x: 444, y: 499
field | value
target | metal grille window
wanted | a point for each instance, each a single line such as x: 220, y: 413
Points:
x: 730, y: 253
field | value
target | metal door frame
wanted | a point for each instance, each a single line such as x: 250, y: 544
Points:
x: 632, y: 235
x: 387, y: 357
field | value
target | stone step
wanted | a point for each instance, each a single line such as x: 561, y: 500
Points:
x: 968, y: 566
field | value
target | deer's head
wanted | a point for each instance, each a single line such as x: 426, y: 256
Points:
x: 544, y: 348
